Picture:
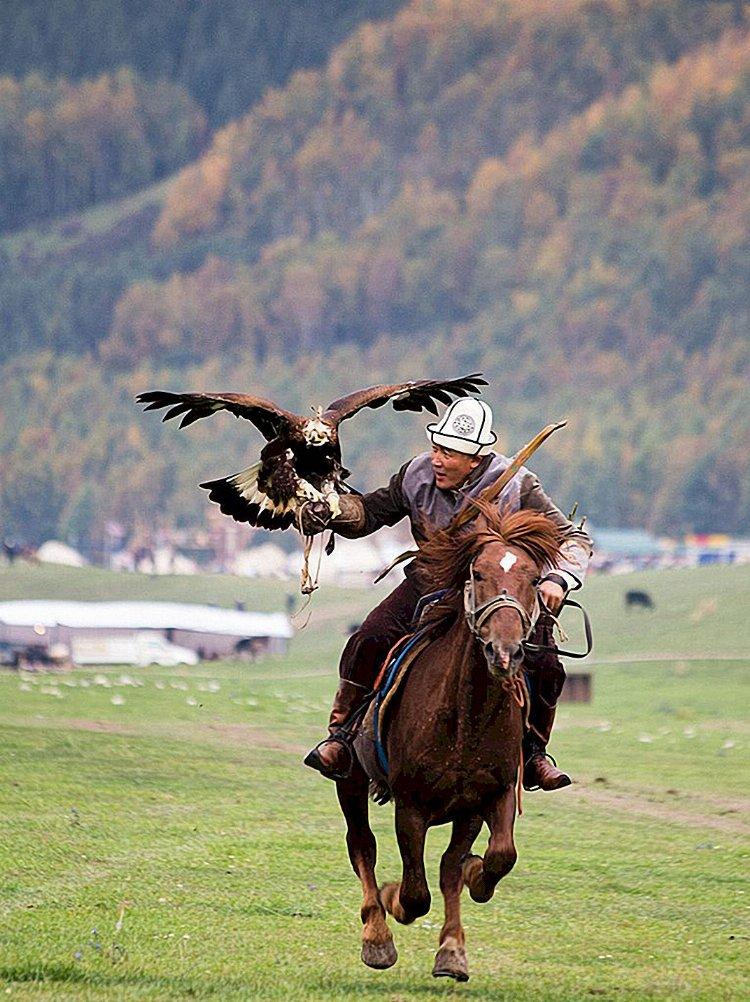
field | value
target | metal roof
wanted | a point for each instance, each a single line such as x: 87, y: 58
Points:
x: 626, y: 542
x: 146, y: 616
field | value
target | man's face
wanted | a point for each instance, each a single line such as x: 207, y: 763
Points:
x: 451, y: 468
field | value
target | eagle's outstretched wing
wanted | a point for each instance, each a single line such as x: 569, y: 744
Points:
x: 418, y: 395
x: 269, y: 419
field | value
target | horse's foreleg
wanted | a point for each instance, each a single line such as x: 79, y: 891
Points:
x: 378, y: 949
x: 450, y: 961
x: 481, y: 876
x: 410, y: 899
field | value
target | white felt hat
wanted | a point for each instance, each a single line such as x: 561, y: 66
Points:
x: 465, y: 427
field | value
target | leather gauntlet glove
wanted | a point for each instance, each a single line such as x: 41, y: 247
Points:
x: 316, y: 517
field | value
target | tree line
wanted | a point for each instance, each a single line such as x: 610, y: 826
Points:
x: 65, y: 146
x: 223, y: 54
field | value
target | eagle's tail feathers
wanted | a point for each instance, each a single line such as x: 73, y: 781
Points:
x: 240, y: 497
x: 246, y: 482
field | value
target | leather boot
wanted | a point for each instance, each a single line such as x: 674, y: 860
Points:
x: 540, y: 771
x: 334, y: 757
x: 546, y: 678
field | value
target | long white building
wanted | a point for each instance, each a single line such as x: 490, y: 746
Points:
x: 210, y: 631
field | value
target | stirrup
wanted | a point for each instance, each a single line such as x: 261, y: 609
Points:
x: 312, y: 759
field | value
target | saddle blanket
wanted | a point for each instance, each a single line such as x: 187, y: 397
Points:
x: 370, y: 741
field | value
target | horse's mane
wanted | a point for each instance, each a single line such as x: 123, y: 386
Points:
x: 444, y: 557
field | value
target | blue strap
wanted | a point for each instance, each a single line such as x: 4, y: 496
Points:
x: 383, y: 692
x: 425, y: 602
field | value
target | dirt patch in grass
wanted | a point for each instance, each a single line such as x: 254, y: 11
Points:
x: 249, y: 734
x: 725, y: 819
x: 81, y: 724
x: 235, y: 734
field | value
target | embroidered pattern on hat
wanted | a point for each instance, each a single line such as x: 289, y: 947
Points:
x: 464, y: 424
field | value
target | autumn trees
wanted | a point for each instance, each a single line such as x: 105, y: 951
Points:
x: 555, y: 194
x: 67, y: 146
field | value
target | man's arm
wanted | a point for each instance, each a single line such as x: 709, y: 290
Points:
x: 575, y: 552
x: 366, y: 513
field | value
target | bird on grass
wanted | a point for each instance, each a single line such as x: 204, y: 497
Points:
x: 301, y: 464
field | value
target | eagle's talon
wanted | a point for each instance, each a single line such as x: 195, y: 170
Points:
x: 306, y: 491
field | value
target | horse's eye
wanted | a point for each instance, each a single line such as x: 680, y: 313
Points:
x: 535, y: 582
x: 478, y: 576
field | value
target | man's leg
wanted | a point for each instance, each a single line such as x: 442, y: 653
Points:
x: 545, y: 676
x: 360, y: 663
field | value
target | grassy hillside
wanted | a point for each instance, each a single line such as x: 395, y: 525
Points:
x: 169, y: 844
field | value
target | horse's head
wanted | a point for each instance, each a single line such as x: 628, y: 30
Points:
x: 500, y: 602
x: 497, y: 559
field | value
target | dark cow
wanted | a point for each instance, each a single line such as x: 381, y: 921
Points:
x: 638, y: 598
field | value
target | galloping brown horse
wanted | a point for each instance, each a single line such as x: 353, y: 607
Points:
x: 454, y: 740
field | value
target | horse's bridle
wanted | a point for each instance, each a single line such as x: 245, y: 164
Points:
x: 476, y: 616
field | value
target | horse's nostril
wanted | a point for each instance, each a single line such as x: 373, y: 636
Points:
x: 489, y: 649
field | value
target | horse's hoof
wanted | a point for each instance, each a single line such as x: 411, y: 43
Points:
x: 379, y: 955
x: 389, y: 895
x: 471, y: 870
x: 450, y: 962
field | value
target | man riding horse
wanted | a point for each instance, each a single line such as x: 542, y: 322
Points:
x: 429, y: 490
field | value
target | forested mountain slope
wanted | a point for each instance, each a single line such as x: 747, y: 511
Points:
x: 424, y: 97
x: 557, y: 194
x: 223, y: 52
x: 66, y: 146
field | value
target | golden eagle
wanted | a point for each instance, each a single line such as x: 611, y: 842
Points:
x: 302, y: 459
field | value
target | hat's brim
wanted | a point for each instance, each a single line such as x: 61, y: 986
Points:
x: 457, y: 444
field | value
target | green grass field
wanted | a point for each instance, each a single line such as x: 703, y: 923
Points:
x: 160, y: 839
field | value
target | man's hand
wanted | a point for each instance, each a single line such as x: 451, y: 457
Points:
x: 315, y: 517
x: 552, y: 595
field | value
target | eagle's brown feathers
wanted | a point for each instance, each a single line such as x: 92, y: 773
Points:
x: 269, y: 419
x: 301, y: 461
x: 413, y: 396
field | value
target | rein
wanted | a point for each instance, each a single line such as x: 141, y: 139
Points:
x: 540, y: 648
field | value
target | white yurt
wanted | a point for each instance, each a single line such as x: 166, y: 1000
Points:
x: 55, y: 552
x: 264, y: 561
x: 354, y: 563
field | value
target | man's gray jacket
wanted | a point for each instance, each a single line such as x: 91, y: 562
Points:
x: 413, y: 492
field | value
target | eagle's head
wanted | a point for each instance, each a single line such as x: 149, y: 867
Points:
x: 316, y: 431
